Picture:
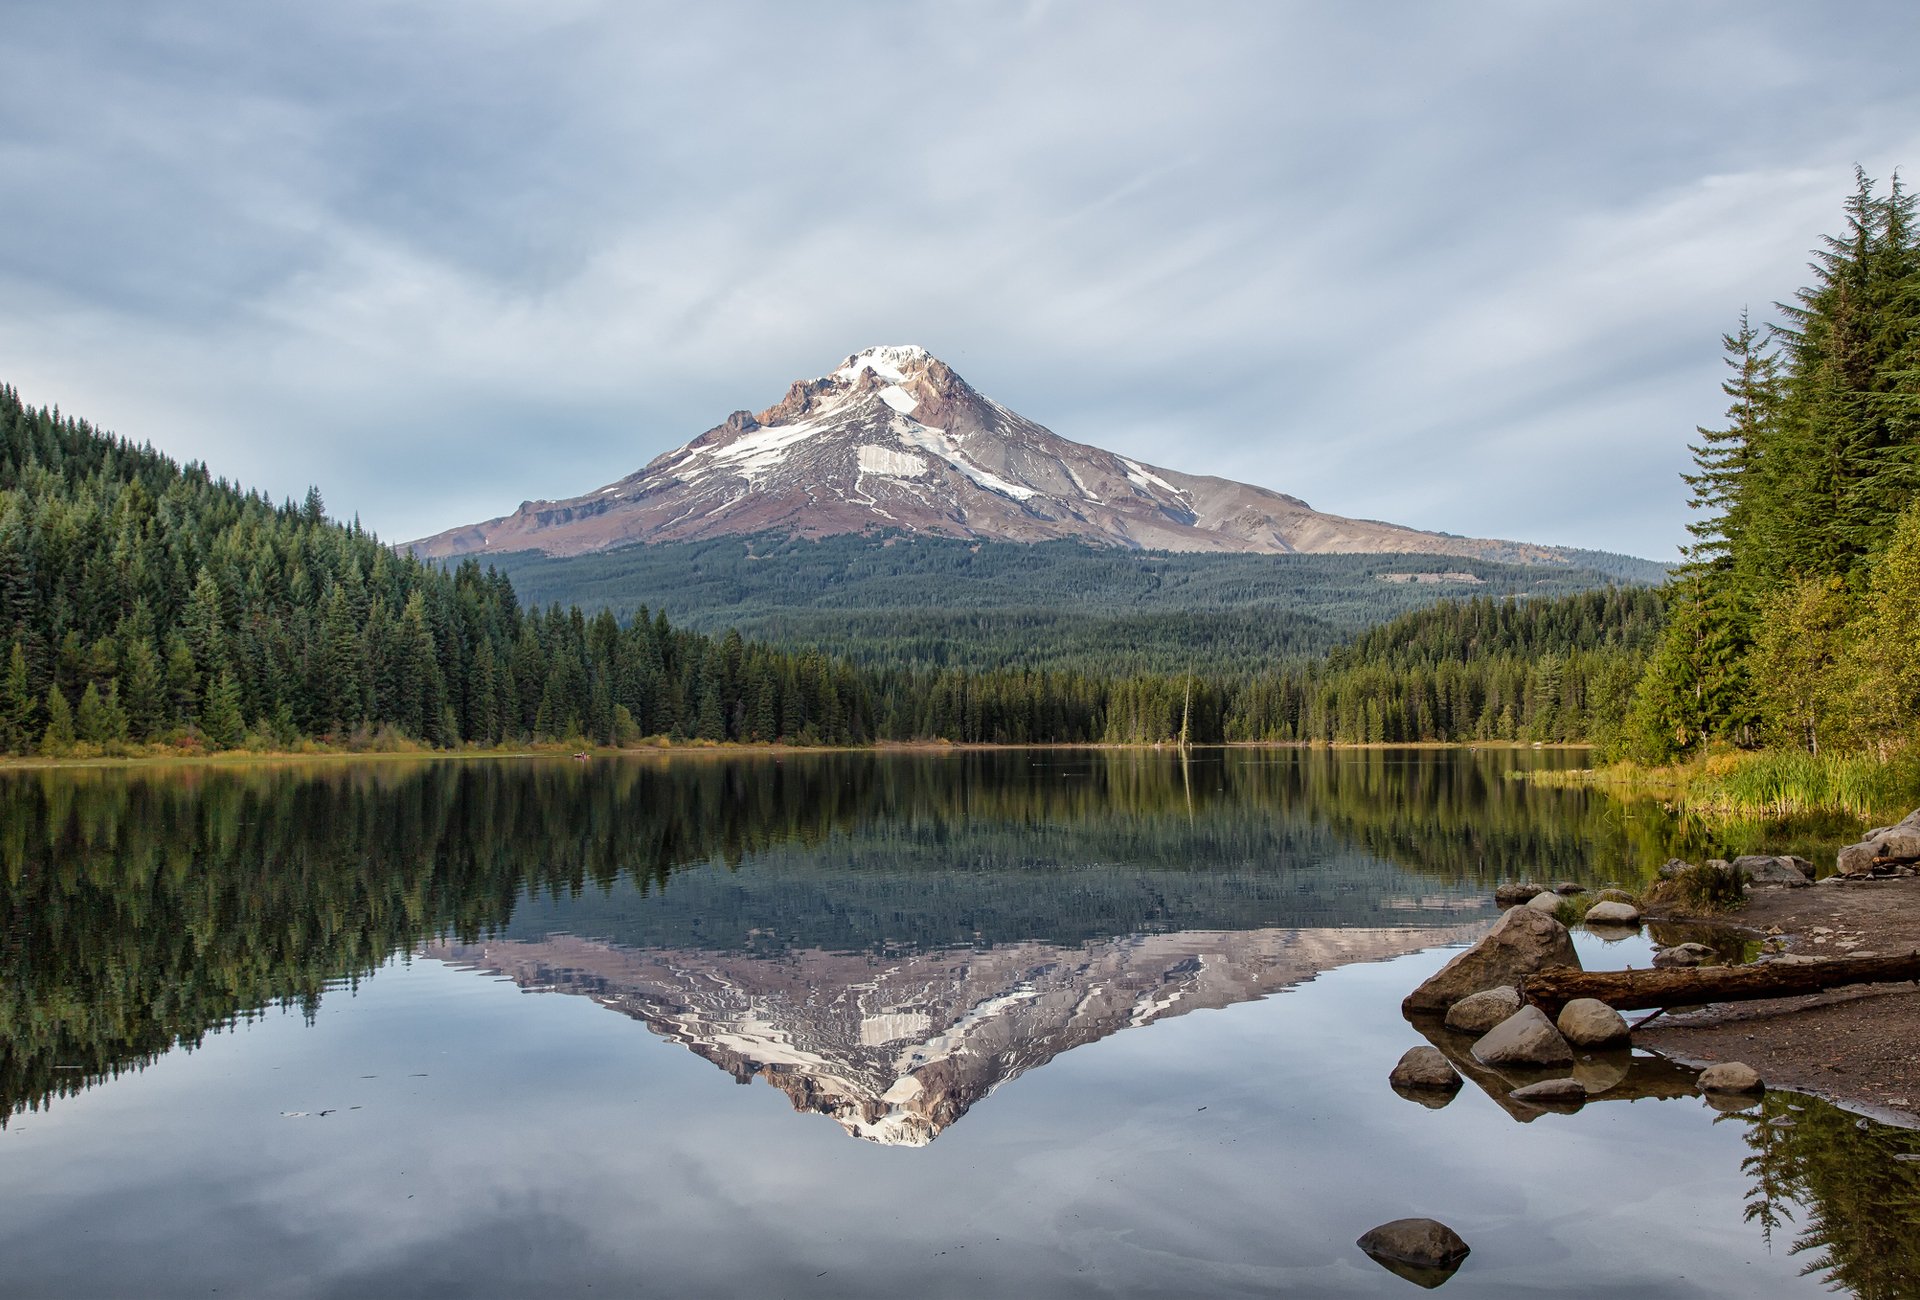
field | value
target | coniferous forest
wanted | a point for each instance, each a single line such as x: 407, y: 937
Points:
x: 148, y: 604
x: 1795, y: 623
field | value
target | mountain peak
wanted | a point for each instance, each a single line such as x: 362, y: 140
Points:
x: 894, y: 440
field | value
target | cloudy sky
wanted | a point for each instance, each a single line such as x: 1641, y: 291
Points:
x: 1461, y: 266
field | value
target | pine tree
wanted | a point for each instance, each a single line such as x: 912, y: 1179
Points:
x: 59, y: 736
x: 17, y: 705
x: 220, y: 717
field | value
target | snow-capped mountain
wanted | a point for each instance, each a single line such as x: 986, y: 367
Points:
x: 894, y: 439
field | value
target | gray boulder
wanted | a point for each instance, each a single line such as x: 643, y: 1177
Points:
x: 1613, y: 914
x: 1674, y: 868
x: 1513, y: 893
x: 1857, y: 859
x: 1567, y: 889
x: 1589, y: 1022
x: 1425, y: 1067
x: 1683, y: 954
x: 1424, y: 1251
x: 1612, y: 895
x: 1761, y: 869
x: 1730, y: 1076
x: 1546, y: 903
x: 1478, y: 1012
x: 1552, y: 1092
x: 1526, y: 1037
x: 1901, y: 845
x: 1521, y: 942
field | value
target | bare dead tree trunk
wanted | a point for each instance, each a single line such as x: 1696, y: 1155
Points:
x: 1637, y: 990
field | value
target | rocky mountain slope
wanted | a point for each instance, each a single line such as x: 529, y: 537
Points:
x: 893, y: 439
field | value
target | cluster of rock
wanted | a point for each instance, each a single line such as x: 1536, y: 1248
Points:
x: 1581, y: 1052
x: 1478, y: 993
x: 1751, y: 868
x: 1884, y: 851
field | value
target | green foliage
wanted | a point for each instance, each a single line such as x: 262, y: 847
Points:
x: 931, y: 603
x: 1792, y: 622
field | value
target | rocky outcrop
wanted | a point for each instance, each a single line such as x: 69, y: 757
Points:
x: 1526, y: 1038
x: 1521, y: 942
x: 1885, y: 850
x: 1589, y: 1022
x: 1478, y: 1012
x: 1761, y: 869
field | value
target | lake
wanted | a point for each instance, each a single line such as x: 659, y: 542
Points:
x: 1029, y: 1023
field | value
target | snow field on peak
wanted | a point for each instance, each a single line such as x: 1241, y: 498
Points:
x: 883, y: 361
x: 899, y: 399
x: 947, y: 448
x: 889, y: 463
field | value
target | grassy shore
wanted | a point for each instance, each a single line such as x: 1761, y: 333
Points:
x: 1770, y: 783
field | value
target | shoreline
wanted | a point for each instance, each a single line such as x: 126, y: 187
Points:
x: 710, y: 748
x: 1857, y: 1047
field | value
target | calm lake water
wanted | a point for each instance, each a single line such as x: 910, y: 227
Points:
x: 1051, y: 1023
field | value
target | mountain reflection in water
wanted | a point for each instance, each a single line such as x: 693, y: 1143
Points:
x: 144, y: 908
x: 896, y: 1047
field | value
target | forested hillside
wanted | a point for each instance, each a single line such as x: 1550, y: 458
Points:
x: 936, y: 602
x: 143, y: 604
x: 1794, y: 622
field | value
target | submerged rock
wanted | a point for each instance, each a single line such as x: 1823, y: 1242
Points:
x: 1569, y: 1093
x: 1731, y: 1077
x: 1425, y: 1068
x: 1683, y: 954
x: 1479, y: 1012
x: 1613, y: 914
x: 1424, y: 1251
x: 1521, y: 942
x: 1526, y: 1037
x: 1589, y: 1022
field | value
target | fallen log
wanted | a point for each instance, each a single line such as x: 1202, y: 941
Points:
x: 1638, y: 990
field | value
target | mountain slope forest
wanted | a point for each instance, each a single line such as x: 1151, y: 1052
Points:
x: 146, y: 604
x: 1795, y: 623
x: 927, y: 602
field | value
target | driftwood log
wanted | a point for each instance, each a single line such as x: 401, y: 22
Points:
x: 1638, y: 990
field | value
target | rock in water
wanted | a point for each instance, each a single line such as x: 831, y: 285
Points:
x: 1589, y: 1022
x: 1424, y: 1251
x: 1544, y: 903
x: 1612, y: 895
x: 1674, y: 868
x: 1526, y: 1037
x: 1521, y: 942
x: 1567, y: 889
x: 1553, y: 1092
x: 1683, y: 954
x: 1512, y: 894
x: 1730, y: 1076
x: 1425, y: 1067
x: 1613, y: 914
x: 1478, y: 1012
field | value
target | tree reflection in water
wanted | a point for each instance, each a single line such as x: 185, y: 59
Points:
x: 1847, y: 1190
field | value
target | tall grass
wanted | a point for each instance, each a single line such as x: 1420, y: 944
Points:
x: 1767, y: 784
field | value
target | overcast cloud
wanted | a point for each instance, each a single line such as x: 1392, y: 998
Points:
x: 1461, y: 266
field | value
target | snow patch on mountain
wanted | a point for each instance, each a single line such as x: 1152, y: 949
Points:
x: 890, y: 463
x: 947, y: 448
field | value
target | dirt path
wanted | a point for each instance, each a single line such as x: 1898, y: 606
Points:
x: 1860, y: 1046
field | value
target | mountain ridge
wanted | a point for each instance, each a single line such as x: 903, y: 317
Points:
x: 895, y: 439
